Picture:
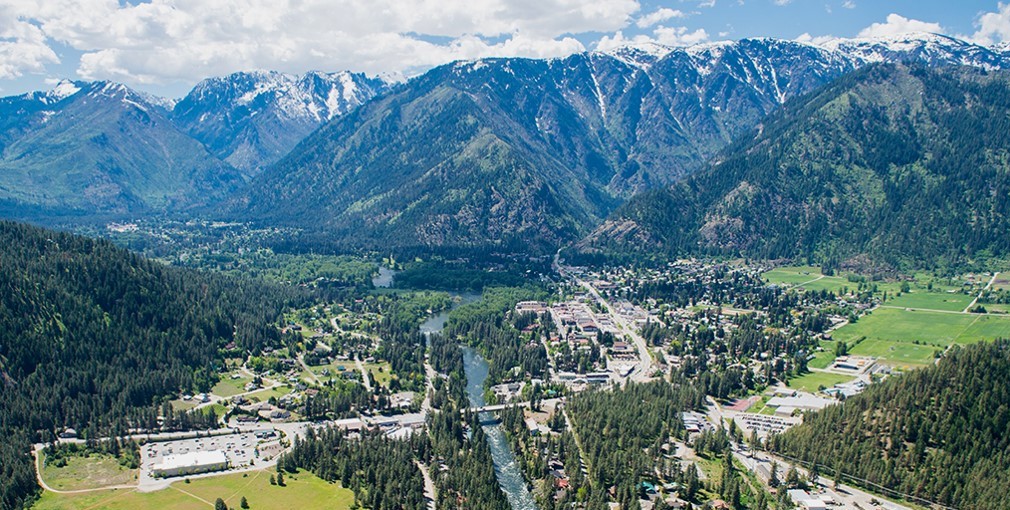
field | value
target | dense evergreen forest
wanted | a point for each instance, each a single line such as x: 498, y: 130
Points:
x: 905, y: 165
x: 380, y: 471
x: 485, y: 325
x: 93, y: 337
x: 938, y: 433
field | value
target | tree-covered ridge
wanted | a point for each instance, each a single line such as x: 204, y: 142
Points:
x: 91, y: 337
x: 939, y: 433
x: 905, y: 164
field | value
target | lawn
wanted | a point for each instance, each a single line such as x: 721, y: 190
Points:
x: 228, y: 387
x: 811, y: 382
x: 955, y: 302
x: 89, y: 472
x: 302, y: 490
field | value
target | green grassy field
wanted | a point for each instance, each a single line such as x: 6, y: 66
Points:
x: 379, y: 371
x: 823, y: 358
x: 898, y: 325
x: 897, y: 354
x: 807, y: 277
x: 228, y: 386
x: 264, y: 395
x: 183, y: 405
x: 891, y: 333
x: 90, y: 472
x: 811, y: 382
x: 303, y: 490
x: 931, y: 301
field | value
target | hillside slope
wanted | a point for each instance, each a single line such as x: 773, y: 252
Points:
x: 905, y: 164
x: 527, y: 153
x: 938, y: 433
x: 93, y: 337
x: 102, y: 148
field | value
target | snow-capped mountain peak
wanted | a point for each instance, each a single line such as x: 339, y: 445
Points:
x: 641, y: 55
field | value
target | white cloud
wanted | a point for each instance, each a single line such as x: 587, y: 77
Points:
x: 184, y: 40
x: 679, y: 36
x: 608, y: 42
x: 782, y: 2
x: 659, y: 16
x: 993, y: 27
x: 897, y: 24
x: 815, y: 40
x: 23, y: 47
x: 849, y: 4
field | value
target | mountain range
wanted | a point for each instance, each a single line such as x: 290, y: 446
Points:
x: 89, y: 148
x: 504, y: 153
x: 530, y: 154
x: 906, y: 164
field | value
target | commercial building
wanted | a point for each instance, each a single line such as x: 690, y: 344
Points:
x: 191, y: 463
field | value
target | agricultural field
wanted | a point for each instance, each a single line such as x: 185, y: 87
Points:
x: 94, y: 471
x: 807, y: 277
x: 302, y: 490
x: 911, y: 338
x: 951, y: 302
x: 812, y: 382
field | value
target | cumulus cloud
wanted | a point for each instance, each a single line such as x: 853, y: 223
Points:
x: 659, y: 16
x: 680, y: 36
x: 993, y: 27
x: 23, y: 47
x: 666, y: 36
x: 896, y: 24
x: 815, y: 40
x: 183, y: 40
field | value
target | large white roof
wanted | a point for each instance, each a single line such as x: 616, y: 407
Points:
x: 192, y: 459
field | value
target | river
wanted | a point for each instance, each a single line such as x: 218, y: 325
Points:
x: 510, y: 478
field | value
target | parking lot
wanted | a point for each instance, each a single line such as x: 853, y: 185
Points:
x: 240, y: 449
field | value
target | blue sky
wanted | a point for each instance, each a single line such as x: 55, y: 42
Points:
x: 166, y: 46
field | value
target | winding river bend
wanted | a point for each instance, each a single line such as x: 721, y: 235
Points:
x: 505, y: 466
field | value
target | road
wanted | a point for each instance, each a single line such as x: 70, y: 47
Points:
x: 365, y: 379
x: 979, y: 296
x: 645, y: 367
x: 429, y: 486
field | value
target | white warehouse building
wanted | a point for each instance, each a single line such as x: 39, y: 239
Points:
x: 191, y: 463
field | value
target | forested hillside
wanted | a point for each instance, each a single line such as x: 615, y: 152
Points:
x: 907, y: 165
x: 527, y: 154
x: 939, y: 433
x: 92, y: 337
x: 101, y: 148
